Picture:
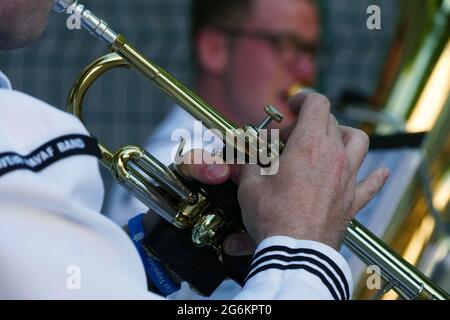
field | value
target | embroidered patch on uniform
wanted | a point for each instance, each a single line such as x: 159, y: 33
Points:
x: 49, y: 153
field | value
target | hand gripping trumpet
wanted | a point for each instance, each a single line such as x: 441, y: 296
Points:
x: 193, y: 218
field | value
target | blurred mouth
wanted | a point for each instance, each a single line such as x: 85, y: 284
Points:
x: 290, y: 91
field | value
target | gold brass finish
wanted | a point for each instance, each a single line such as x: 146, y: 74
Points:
x: 89, y: 75
x: 204, y: 231
x: 273, y: 113
x: 189, y: 214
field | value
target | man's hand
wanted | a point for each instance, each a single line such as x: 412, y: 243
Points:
x: 315, y: 193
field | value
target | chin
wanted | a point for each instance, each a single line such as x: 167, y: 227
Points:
x: 16, y: 41
x: 22, y: 37
x: 22, y: 26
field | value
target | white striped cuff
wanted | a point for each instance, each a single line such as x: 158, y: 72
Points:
x: 320, y: 260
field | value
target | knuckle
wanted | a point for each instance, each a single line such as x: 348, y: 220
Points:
x: 313, y: 145
x: 321, y: 100
x: 359, y: 137
x: 363, y: 137
x: 341, y: 155
x: 340, y: 158
x: 333, y: 118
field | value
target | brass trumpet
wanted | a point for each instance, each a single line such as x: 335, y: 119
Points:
x: 187, y: 208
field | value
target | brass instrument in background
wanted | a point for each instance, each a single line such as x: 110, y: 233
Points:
x: 182, y: 205
x: 413, y: 96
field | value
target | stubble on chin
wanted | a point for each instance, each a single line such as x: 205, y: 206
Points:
x: 22, y: 22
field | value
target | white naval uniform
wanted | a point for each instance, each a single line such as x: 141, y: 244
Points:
x: 54, y: 243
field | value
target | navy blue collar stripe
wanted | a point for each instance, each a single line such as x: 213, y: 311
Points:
x: 49, y: 153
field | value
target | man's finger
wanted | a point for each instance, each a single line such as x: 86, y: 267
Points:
x: 356, y: 143
x: 295, y: 102
x: 334, y: 131
x: 201, y: 166
x: 239, y: 244
x: 368, y: 188
x: 286, y: 131
x: 313, y: 115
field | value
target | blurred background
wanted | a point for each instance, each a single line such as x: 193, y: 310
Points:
x: 394, y: 81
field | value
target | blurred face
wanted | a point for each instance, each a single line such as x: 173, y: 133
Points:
x: 273, y: 50
x: 22, y: 21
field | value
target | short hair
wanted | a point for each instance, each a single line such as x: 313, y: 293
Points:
x: 217, y: 13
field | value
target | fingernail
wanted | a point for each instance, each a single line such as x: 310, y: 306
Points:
x: 216, y: 170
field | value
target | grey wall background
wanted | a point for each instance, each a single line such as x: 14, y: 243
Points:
x: 123, y: 108
x: 357, y: 53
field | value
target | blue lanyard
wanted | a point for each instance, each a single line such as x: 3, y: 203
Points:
x: 153, y: 267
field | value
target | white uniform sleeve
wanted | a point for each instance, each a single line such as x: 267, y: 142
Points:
x: 289, y: 269
x: 54, y: 243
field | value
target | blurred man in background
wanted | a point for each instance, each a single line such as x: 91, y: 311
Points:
x: 248, y: 54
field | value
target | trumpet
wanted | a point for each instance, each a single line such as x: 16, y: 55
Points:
x: 195, y: 217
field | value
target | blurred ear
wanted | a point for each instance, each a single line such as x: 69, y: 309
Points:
x: 212, y: 53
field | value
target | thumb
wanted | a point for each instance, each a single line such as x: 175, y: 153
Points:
x: 201, y: 166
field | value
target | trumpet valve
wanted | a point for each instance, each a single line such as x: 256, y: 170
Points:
x: 272, y: 115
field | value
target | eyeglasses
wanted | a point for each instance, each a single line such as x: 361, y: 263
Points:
x: 287, y: 45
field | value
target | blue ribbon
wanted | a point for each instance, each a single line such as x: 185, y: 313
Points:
x: 153, y: 268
